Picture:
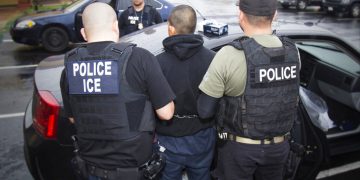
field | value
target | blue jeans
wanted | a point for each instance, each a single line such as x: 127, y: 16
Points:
x: 197, y: 167
x: 93, y: 178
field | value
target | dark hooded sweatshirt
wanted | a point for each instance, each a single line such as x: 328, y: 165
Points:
x: 184, y: 63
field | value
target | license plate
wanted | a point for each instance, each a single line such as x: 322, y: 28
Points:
x: 330, y: 8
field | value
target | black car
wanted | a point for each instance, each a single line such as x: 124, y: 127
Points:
x: 348, y: 7
x: 299, y: 4
x: 330, y: 69
x: 55, y: 29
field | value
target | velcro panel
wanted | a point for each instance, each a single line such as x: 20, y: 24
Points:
x: 135, y: 110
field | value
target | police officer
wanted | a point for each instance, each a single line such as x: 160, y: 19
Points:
x: 187, y: 140
x: 109, y: 90
x: 255, y: 79
x: 138, y: 16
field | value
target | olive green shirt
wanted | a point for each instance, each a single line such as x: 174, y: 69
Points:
x: 227, y: 72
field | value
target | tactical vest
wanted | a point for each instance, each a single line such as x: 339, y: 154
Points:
x: 146, y: 18
x: 147, y: 15
x: 268, y: 106
x: 104, y: 106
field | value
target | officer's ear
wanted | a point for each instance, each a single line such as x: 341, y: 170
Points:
x: 275, y: 16
x: 115, y: 28
x: 241, y: 17
x: 83, y: 34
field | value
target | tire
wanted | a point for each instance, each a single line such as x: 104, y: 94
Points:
x: 355, y: 10
x: 55, y: 39
x: 285, y: 6
x: 301, y: 5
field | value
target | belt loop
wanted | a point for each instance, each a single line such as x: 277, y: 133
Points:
x: 262, y: 141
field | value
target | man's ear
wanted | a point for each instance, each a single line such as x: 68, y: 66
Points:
x: 83, y: 34
x: 171, y: 30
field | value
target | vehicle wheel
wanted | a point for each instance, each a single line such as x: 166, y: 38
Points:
x: 285, y: 6
x: 301, y: 5
x: 355, y: 10
x: 55, y: 39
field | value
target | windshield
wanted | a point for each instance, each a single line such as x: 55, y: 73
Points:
x: 330, y: 54
x: 75, y: 5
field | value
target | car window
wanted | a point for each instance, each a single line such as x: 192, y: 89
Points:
x: 154, y: 3
x: 123, y: 4
x: 331, y: 54
x: 75, y: 5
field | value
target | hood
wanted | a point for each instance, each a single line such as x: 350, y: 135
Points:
x: 39, y: 15
x: 183, y: 46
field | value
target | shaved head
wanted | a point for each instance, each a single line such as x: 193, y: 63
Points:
x: 183, y: 19
x: 98, y: 20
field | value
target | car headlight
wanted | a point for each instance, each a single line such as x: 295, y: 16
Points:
x: 345, y: 1
x: 25, y: 24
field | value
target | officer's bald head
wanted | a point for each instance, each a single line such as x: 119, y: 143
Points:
x: 183, y: 19
x: 100, y: 22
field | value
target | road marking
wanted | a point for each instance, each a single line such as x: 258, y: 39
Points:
x: 7, y: 40
x: 338, y: 170
x: 18, y: 67
x: 2, y: 116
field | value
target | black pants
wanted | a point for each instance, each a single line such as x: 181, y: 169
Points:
x: 238, y: 161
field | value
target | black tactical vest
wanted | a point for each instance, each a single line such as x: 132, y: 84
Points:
x: 268, y: 106
x: 104, y: 106
x: 146, y: 17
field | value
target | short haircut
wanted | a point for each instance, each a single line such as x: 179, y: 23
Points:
x: 259, y: 20
x: 183, y: 19
x: 98, y: 17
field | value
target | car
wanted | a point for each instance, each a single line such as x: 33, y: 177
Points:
x: 299, y: 4
x: 330, y: 69
x: 340, y: 7
x: 55, y: 29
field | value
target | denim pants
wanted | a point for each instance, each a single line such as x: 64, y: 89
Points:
x: 197, y: 167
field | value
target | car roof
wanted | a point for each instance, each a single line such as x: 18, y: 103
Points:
x: 151, y: 37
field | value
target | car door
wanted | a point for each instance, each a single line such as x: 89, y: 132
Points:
x: 331, y: 70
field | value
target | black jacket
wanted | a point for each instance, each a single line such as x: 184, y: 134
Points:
x: 184, y: 63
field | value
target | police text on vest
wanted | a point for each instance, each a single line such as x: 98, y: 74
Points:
x: 90, y: 69
x: 277, y: 73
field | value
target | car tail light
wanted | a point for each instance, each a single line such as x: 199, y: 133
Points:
x: 46, y: 109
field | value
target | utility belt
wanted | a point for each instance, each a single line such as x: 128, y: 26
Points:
x: 148, y: 170
x: 239, y: 139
